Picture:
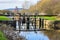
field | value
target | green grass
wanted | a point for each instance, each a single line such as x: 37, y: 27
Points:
x: 4, y: 18
x: 47, y: 17
x: 2, y: 36
x: 43, y: 17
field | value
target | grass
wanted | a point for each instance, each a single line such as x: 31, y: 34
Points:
x: 43, y: 17
x: 4, y: 18
x: 47, y: 17
x: 2, y: 36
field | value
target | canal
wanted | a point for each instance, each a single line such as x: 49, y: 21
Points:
x: 31, y: 35
x: 39, y: 35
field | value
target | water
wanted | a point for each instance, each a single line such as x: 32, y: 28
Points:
x: 34, y: 36
x: 31, y: 35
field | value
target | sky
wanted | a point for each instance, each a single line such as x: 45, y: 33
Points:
x: 5, y: 4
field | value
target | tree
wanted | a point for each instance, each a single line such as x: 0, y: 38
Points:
x: 25, y: 6
x: 47, y: 6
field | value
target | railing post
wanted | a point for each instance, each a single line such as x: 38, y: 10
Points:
x: 42, y: 23
x: 39, y: 23
x: 35, y: 19
x: 19, y: 22
x: 23, y: 20
x: 17, y: 26
x: 28, y: 23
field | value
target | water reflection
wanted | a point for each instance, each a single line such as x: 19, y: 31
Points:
x: 34, y: 36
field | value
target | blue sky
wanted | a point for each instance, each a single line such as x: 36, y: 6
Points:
x: 4, y: 4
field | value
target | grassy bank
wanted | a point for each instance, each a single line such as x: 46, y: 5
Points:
x: 43, y: 17
x: 3, y: 18
x: 2, y: 36
x: 46, y: 17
